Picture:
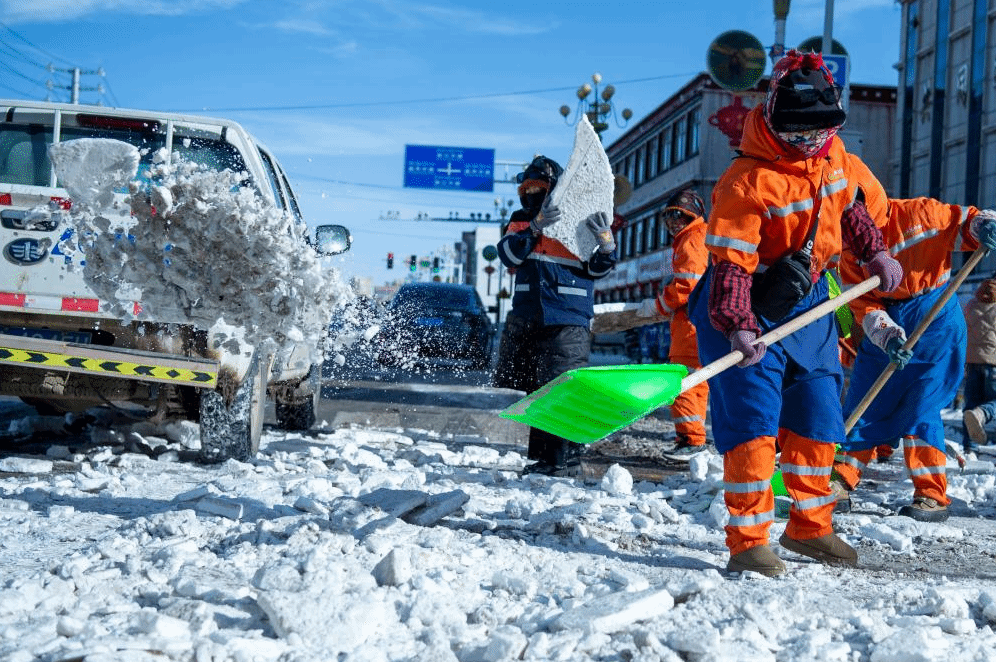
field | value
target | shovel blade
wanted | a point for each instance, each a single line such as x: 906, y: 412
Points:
x: 588, y: 404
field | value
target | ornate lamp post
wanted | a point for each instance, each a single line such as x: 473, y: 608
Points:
x: 597, y: 110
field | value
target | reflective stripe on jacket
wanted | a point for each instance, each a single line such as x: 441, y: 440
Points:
x: 551, y: 284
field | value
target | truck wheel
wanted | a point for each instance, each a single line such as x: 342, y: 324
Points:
x: 298, y: 416
x: 233, y: 432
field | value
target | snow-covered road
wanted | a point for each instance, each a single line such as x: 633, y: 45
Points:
x: 376, y: 544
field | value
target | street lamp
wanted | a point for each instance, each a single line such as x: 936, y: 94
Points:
x: 502, y: 208
x: 598, y: 111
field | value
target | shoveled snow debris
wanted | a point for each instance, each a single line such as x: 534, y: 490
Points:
x: 192, y: 244
x: 318, y: 550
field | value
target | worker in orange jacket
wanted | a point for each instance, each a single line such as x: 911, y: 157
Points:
x: 684, y: 215
x: 921, y: 233
x: 780, y: 214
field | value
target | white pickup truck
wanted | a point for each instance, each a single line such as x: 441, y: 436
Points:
x: 62, y: 350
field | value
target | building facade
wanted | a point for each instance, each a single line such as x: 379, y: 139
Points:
x: 688, y: 141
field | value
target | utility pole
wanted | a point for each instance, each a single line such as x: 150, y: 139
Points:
x: 75, y: 88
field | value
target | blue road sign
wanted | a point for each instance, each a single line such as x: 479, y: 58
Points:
x: 837, y: 64
x: 455, y: 168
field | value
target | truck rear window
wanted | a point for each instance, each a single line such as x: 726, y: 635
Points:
x: 24, y: 147
x: 24, y: 154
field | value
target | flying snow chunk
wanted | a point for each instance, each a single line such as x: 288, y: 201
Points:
x: 585, y: 187
x: 91, y: 169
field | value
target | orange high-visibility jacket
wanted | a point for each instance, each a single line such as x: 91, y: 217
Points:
x: 920, y: 233
x: 689, y: 259
x: 760, y: 214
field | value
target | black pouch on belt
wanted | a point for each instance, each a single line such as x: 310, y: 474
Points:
x: 776, y: 291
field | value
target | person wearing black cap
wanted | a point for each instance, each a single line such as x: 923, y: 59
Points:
x: 780, y: 214
x: 548, y: 329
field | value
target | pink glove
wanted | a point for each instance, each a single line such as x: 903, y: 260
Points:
x: 745, y: 342
x: 889, y: 271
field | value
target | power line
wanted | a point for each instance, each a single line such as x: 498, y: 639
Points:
x: 37, y: 48
x: 398, y: 102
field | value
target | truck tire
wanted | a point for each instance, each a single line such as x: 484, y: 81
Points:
x: 233, y: 431
x: 298, y: 416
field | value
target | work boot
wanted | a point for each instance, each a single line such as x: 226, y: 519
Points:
x: 759, y: 559
x: 925, y: 509
x: 683, y: 446
x: 829, y: 549
x: 841, y: 494
x: 975, y: 424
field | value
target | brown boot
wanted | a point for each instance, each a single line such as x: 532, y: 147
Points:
x: 828, y: 549
x: 925, y: 509
x: 759, y: 559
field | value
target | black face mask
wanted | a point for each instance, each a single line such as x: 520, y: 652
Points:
x: 532, y: 202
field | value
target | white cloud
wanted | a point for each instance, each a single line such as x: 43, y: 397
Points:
x: 301, y: 25
x: 19, y: 11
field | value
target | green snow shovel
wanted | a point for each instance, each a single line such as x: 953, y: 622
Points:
x: 588, y: 404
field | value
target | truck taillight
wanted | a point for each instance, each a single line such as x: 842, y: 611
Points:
x: 63, y: 203
x: 5, y: 199
x: 106, y: 122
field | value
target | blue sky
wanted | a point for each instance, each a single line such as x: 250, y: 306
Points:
x: 337, y: 88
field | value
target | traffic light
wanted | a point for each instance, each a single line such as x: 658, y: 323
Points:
x: 435, y: 265
x: 390, y: 260
x: 413, y: 263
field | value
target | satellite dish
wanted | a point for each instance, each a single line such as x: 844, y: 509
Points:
x: 621, y: 191
x: 815, y: 44
x: 736, y: 60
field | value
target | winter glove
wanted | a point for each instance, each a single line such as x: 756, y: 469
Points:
x: 888, y: 336
x: 898, y: 355
x: 600, y: 225
x: 549, y: 214
x: 745, y: 342
x: 983, y: 228
x: 649, y: 308
x: 888, y: 270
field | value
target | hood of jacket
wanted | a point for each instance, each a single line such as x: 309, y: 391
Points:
x: 760, y: 143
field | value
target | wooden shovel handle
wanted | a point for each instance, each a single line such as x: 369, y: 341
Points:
x: 920, y: 329
x: 776, y: 334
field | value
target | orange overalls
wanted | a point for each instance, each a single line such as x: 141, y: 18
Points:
x: 921, y: 234
x: 689, y: 259
x: 763, y: 207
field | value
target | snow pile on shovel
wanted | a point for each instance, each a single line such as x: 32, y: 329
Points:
x: 193, y: 245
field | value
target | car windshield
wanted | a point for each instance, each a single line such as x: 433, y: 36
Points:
x: 433, y: 297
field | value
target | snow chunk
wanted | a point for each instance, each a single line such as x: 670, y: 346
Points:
x: 615, y: 612
x: 617, y: 481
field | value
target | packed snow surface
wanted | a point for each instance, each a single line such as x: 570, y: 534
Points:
x: 192, y: 244
x: 398, y: 544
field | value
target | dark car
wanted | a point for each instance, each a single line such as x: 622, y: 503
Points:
x: 444, y: 320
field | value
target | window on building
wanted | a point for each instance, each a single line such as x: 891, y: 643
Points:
x: 624, y: 242
x: 641, y: 237
x: 661, y: 231
x: 639, y: 167
x: 664, y: 148
x: 679, y: 143
x: 633, y: 233
x: 628, y: 169
x: 655, y: 241
x: 693, y: 132
x: 651, y: 168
